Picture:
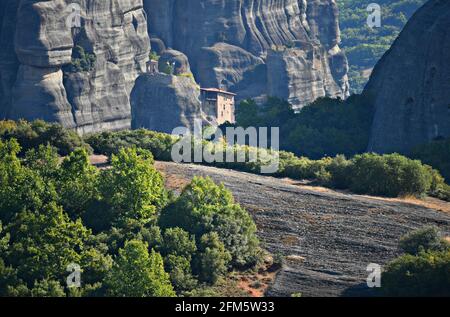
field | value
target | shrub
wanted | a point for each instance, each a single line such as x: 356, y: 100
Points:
x: 427, y: 238
x: 32, y: 134
x: 389, y: 175
x: 108, y: 143
x: 82, y: 61
x: 340, y: 170
x: 166, y: 68
x: 423, y: 270
x: 154, y: 56
x: 385, y: 175
x: 204, y: 207
x: 424, y: 274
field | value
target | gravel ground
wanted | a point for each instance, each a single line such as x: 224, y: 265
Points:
x: 327, y: 237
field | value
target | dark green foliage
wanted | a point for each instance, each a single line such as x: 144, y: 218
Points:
x: 82, y: 61
x: 153, y: 56
x: 389, y: 175
x: 178, y: 242
x: 427, y: 238
x: 31, y: 135
x: 365, y: 46
x: 166, y: 68
x: 138, y: 273
x: 20, y: 187
x: 327, y: 127
x: 340, y: 170
x: 436, y: 154
x: 30, y: 250
x: 205, y: 207
x: 77, y: 183
x: 47, y: 288
x: 180, y: 272
x: 213, y: 258
x: 384, y: 175
x: 10, y: 284
x: 425, y: 274
x: 49, y: 205
x: 108, y: 143
x: 423, y: 271
x: 132, y: 188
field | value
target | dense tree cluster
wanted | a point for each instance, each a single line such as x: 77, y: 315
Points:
x: 327, y: 127
x: 423, y: 269
x: 115, y: 224
x: 32, y: 134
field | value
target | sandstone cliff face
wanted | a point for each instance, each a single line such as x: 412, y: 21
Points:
x: 35, y: 83
x: 228, y: 43
x: 285, y: 48
x: 163, y: 102
x: 411, y: 84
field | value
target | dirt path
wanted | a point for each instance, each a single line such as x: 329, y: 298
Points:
x: 328, y: 237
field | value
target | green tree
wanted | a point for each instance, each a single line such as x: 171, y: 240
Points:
x: 43, y: 244
x: 178, y: 242
x: 47, y: 288
x: 20, y: 187
x: 180, y: 272
x: 136, y: 273
x: 133, y: 188
x: 247, y: 113
x: 205, y: 207
x: 77, y: 183
x: 44, y: 161
x: 213, y: 258
x: 425, y: 274
x: 10, y: 284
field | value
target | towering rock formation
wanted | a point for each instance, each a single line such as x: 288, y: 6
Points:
x: 285, y: 48
x: 163, y: 102
x: 82, y: 75
x: 38, y: 40
x: 410, y: 86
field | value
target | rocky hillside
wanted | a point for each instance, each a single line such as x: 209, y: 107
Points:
x: 410, y: 85
x: 284, y: 48
x: 327, y: 238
